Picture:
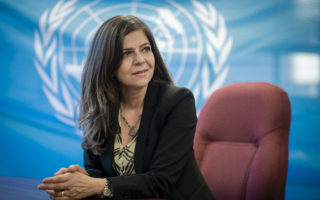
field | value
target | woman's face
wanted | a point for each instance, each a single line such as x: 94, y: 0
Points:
x: 137, y: 65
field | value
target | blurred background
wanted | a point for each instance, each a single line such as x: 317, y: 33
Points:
x: 205, y: 44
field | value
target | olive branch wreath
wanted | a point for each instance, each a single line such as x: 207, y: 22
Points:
x: 218, y: 47
x: 45, y: 45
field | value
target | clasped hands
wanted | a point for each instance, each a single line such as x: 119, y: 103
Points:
x: 72, y: 183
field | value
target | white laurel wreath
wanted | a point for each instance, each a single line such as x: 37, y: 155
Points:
x: 218, y: 47
x: 45, y: 45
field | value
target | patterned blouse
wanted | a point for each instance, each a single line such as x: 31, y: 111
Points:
x: 123, y: 162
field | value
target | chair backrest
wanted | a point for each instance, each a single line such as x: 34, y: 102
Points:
x: 241, y: 141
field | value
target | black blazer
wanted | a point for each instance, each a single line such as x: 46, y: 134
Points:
x: 164, y: 159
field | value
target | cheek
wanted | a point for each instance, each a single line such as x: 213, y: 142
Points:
x: 123, y: 68
x: 152, y: 61
x: 120, y: 73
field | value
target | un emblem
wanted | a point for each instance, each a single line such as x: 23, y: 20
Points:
x: 193, y: 42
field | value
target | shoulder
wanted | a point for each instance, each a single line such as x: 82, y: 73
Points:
x: 171, y: 93
x: 169, y: 96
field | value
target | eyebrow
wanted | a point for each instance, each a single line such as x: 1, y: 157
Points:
x: 144, y: 44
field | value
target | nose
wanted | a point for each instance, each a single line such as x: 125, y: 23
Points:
x: 139, y: 58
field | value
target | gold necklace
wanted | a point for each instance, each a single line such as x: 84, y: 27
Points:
x: 132, y: 129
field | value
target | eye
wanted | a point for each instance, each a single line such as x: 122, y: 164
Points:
x: 126, y: 53
x: 146, y: 49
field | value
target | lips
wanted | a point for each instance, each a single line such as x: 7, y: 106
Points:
x: 140, y: 72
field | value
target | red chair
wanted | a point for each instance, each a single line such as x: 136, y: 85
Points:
x: 241, y: 141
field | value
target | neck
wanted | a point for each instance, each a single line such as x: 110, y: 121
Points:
x: 133, y: 98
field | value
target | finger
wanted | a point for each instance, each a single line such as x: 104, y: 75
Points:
x: 77, y: 168
x: 61, y: 195
x: 50, y: 192
x: 52, y: 186
x: 57, y: 179
x: 54, y: 193
x: 74, y: 168
x: 62, y: 198
x: 58, y: 193
x: 61, y: 171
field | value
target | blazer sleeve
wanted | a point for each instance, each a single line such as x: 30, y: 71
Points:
x: 92, y: 165
x: 177, y: 118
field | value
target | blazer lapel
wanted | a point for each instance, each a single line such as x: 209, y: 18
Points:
x: 107, y: 157
x: 150, y: 101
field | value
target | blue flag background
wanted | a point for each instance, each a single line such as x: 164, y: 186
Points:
x: 206, y: 44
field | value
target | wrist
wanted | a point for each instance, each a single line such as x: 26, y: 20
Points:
x: 107, y: 191
x: 98, y: 186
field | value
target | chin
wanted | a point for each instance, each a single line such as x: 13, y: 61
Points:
x: 143, y: 82
x: 142, y: 85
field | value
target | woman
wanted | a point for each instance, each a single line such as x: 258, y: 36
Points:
x: 138, y: 127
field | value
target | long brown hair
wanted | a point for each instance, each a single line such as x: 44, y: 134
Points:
x: 100, y: 95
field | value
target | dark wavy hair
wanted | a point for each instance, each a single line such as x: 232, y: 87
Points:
x: 100, y: 95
